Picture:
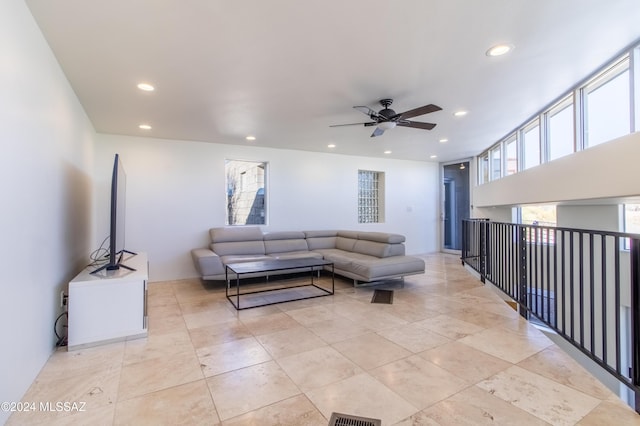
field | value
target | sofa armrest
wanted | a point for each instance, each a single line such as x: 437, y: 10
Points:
x: 207, y: 262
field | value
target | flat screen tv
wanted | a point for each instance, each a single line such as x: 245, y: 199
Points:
x: 117, y: 219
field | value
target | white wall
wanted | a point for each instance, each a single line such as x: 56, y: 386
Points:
x: 496, y: 214
x: 604, y: 217
x: 176, y: 192
x: 46, y: 188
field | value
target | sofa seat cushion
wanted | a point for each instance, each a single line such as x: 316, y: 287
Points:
x: 370, y: 268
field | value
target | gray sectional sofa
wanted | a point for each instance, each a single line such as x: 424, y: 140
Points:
x: 362, y: 256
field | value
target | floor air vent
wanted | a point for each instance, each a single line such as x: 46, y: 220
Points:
x: 382, y: 296
x: 338, y: 419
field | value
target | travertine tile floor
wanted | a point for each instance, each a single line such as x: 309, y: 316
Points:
x: 448, y: 351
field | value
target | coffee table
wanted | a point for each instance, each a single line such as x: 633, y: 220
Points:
x: 263, y: 267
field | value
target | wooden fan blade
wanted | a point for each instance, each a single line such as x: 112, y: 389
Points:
x: 417, y: 111
x: 377, y: 132
x: 416, y: 124
x: 372, y: 123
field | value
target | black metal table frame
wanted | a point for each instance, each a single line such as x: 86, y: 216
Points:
x: 316, y: 265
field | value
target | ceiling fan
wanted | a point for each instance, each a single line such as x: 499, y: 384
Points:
x: 387, y: 118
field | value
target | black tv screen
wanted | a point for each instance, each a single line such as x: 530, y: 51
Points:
x: 117, y: 218
x: 118, y: 207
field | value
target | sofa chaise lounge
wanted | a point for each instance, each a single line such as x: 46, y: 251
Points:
x: 364, y: 257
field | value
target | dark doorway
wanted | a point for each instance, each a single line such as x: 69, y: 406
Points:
x: 456, y: 203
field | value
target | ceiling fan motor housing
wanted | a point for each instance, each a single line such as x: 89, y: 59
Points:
x: 387, y: 113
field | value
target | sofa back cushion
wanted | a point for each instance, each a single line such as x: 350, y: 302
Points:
x: 241, y: 240
x: 346, y: 240
x: 380, y: 244
x: 381, y: 237
x: 374, y: 248
x: 318, y: 240
x: 282, y: 242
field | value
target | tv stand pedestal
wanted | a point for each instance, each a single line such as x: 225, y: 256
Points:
x: 108, y: 306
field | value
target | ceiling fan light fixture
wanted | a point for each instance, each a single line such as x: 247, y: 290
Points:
x: 386, y: 125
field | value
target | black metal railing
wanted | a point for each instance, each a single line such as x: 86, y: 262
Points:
x: 583, y: 284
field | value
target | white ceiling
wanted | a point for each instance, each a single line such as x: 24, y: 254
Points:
x: 284, y: 70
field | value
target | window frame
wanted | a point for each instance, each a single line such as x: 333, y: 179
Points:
x: 606, y: 76
x: 526, y: 129
x: 483, y: 166
x: 495, y: 173
x: 511, y: 139
x: 257, y: 189
x: 557, y: 108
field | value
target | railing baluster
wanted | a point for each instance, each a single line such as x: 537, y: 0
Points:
x: 522, y: 261
x: 571, y: 289
x: 547, y: 286
x: 581, y: 287
x: 617, y: 303
x: 533, y: 284
x: 555, y: 279
x: 591, y: 295
x: 635, y: 319
x: 563, y: 272
x: 603, y: 290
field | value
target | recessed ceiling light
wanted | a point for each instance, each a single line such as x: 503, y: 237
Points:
x: 146, y: 87
x: 331, y: 145
x: 433, y: 156
x: 460, y: 113
x: 499, y: 50
x: 250, y: 138
x: 387, y: 152
x: 443, y: 140
x: 145, y: 127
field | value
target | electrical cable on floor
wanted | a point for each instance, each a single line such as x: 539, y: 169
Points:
x: 62, y: 340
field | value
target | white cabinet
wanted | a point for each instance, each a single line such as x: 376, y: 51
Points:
x: 108, y: 306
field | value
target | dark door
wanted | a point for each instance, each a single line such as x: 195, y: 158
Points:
x: 456, y: 203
